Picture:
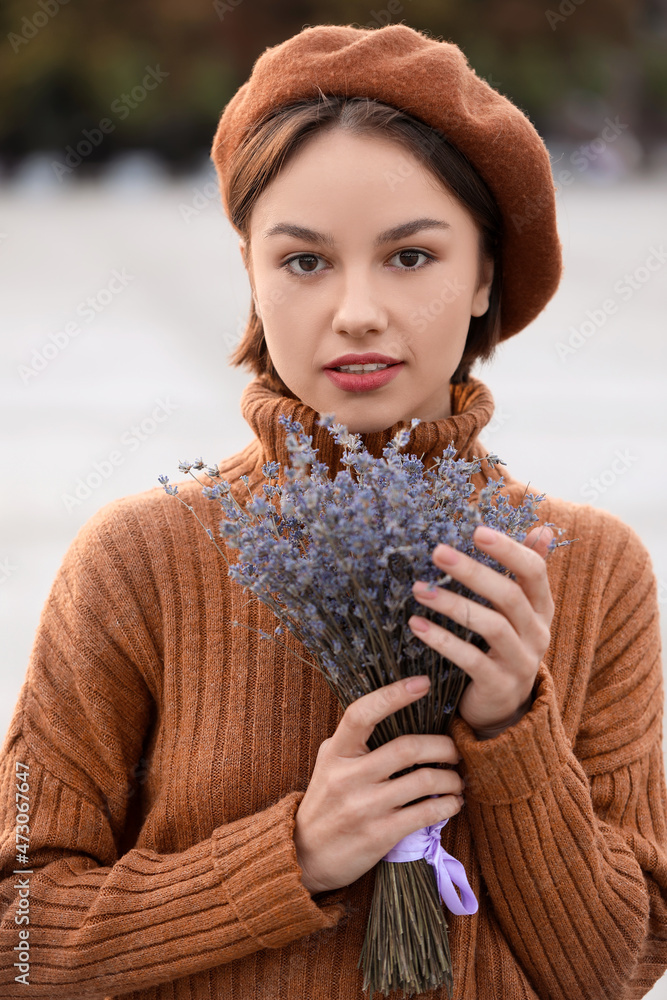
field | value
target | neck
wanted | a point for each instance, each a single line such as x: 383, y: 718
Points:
x: 471, y: 406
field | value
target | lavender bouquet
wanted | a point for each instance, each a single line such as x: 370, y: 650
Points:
x: 335, y: 560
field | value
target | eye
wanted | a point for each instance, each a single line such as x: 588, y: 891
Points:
x: 312, y: 258
x: 411, y: 255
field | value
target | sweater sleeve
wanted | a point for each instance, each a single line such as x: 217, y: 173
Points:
x: 572, y: 840
x: 83, y: 912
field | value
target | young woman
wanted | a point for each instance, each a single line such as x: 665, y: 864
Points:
x: 197, y: 817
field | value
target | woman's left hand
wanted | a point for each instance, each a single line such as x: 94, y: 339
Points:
x: 516, y: 627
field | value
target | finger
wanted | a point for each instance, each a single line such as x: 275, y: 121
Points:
x: 512, y: 625
x: 424, y: 782
x: 538, y: 539
x: 360, y: 718
x: 479, y: 666
x: 428, y: 812
x: 404, y: 751
x: 527, y: 566
x: 516, y: 622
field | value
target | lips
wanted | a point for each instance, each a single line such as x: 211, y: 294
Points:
x: 362, y: 359
x: 363, y: 381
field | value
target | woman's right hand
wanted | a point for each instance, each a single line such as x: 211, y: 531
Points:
x: 352, y: 812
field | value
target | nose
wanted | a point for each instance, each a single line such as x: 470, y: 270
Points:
x: 359, y: 310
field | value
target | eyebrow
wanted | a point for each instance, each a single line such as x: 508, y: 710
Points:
x: 399, y: 232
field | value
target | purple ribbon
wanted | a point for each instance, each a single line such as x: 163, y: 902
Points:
x: 425, y: 843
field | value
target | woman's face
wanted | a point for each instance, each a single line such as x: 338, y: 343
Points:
x: 357, y: 250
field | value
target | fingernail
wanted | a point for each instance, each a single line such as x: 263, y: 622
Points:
x: 417, y: 684
x: 485, y: 535
x: 446, y: 554
x: 418, y: 624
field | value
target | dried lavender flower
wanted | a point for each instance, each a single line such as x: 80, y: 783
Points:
x: 335, y: 560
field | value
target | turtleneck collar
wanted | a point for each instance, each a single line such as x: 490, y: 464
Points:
x: 471, y: 403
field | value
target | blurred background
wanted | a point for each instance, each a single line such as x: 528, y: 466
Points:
x: 567, y: 64
x: 123, y: 289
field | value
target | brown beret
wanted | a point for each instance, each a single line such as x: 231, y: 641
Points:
x: 432, y: 81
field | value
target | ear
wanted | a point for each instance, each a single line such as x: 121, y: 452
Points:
x: 242, y: 246
x: 480, y: 302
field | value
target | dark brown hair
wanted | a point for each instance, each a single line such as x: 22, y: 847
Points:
x: 279, y: 134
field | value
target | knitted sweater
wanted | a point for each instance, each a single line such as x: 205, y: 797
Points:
x: 166, y: 753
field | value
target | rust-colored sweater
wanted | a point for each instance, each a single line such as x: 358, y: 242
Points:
x: 167, y: 752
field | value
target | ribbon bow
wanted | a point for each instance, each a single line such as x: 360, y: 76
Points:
x: 425, y: 843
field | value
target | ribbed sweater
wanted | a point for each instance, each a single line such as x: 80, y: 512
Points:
x: 168, y: 751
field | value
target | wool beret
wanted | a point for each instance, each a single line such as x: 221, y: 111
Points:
x: 432, y: 81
